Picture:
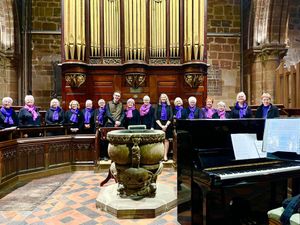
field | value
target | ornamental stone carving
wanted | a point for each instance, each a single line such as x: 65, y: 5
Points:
x: 75, y: 80
x: 135, y: 80
x: 194, y: 80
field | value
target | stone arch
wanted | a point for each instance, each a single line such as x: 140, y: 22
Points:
x: 268, y: 22
x: 267, y: 46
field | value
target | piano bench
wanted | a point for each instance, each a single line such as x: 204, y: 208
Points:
x: 274, y: 217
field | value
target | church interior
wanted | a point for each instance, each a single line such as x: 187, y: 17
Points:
x: 79, y: 50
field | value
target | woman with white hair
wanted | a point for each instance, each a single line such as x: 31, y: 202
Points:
x: 99, y: 114
x: 74, y: 116
x: 88, y: 113
x: 164, y: 117
x: 266, y: 109
x: 221, y: 111
x: 132, y: 115
x: 193, y: 112
x: 147, y: 113
x: 29, y: 115
x: 241, y: 108
x: 179, y: 111
x: 55, y: 114
x: 8, y: 117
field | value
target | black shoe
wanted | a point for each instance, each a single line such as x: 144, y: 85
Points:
x: 105, y: 158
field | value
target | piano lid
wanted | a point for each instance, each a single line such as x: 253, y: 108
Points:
x: 215, y: 133
x: 210, y: 139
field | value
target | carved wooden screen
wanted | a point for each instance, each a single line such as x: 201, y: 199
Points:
x: 135, y: 46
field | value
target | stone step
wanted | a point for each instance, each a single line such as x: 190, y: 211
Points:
x: 103, y: 166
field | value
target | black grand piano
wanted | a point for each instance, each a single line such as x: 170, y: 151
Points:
x: 214, y: 188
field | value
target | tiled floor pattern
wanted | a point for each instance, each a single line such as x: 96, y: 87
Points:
x: 72, y: 202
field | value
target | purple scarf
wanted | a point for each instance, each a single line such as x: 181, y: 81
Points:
x: 7, y: 113
x: 178, y: 114
x: 265, y: 110
x: 192, y: 112
x: 32, y: 110
x: 87, y: 115
x: 242, y: 110
x: 55, y: 111
x: 163, y: 114
x: 209, y: 112
x: 74, y: 117
x: 129, y: 112
x: 222, y: 114
x: 101, y: 115
x: 144, y: 110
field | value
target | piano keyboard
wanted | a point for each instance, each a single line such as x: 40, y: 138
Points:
x: 259, y: 172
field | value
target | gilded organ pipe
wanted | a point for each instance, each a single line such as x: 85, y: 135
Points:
x: 201, y: 29
x: 66, y: 29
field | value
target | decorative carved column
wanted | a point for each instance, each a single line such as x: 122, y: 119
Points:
x: 262, y: 65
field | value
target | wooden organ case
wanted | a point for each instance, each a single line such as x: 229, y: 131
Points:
x: 137, y: 47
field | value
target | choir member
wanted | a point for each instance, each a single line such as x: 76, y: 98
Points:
x: 55, y: 114
x: 147, y: 113
x: 208, y: 110
x: 114, y: 111
x: 132, y: 115
x: 74, y: 116
x: 99, y: 114
x: 163, y: 117
x: 88, y: 114
x: 241, y: 108
x: 8, y: 117
x: 179, y: 111
x: 221, y: 111
x: 266, y: 109
x: 193, y: 112
x: 29, y: 115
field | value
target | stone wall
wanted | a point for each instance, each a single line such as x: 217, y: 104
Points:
x: 46, y: 49
x: 223, y: 44
x: 8, y: 57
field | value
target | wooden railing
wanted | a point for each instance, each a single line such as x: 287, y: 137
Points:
x: 43, y: 154
x: 288, y: 86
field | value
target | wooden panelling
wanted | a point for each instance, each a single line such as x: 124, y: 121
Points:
x: 102, y: 81
x: 8, y: 162
x: 26, y: 155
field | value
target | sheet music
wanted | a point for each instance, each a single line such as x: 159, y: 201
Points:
x: 244, y: 146
x: 282, y: 135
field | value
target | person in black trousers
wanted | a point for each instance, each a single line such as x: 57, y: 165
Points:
x: 74, y: 117
x: 147, y: 113
x: 88, y: 115
x: 163, y: 118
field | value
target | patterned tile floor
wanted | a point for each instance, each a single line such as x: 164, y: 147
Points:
x: 70, y: 199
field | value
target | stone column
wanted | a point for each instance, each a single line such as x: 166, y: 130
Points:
x: 263, y: 63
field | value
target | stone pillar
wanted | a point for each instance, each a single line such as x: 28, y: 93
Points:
x: 263, y: 63
x: 8, y: 79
